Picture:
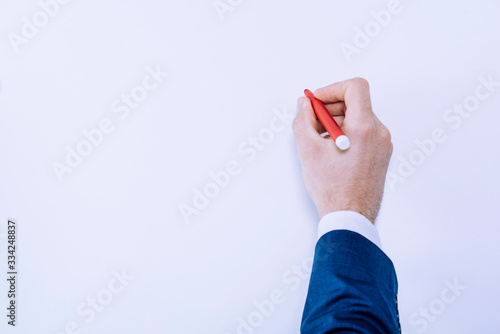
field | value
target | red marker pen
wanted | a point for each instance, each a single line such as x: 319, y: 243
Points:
x: 328, y: 122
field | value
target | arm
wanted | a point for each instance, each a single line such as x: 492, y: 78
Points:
x: 353, y: 284
x: 353, y: 287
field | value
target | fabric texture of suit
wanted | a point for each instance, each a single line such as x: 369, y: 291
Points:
x: 353, y: 287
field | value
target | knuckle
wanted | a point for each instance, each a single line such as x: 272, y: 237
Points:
x: 385, y: 134
x: 297, y: 123
x: 391, y: 148
x: 365, y: 129
x: 361, y: 82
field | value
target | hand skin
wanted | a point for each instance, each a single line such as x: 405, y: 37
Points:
x: 344, y: 180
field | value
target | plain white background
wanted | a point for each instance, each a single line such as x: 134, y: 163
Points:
x: 119, y: 209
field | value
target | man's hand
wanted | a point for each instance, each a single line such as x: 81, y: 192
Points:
x: 344, y: 180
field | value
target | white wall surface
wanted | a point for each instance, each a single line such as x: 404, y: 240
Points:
x: 118, y: 210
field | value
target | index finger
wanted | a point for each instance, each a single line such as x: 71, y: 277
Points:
x: 355, y: 93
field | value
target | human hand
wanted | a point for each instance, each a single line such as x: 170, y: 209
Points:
x: 344, y: 180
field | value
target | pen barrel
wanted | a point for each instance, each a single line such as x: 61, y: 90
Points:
x: 326, y: 119
x: 328, y: 122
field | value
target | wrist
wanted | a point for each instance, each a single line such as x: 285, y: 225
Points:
x: 371, y: 215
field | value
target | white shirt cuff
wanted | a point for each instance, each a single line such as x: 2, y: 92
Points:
x: 351, y: 221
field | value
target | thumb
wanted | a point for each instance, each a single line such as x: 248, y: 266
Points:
x: 305, y: 125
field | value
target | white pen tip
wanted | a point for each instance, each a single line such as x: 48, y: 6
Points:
x: 342, y: 142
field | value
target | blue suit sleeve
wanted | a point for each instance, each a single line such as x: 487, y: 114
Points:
x: 353, y: 288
